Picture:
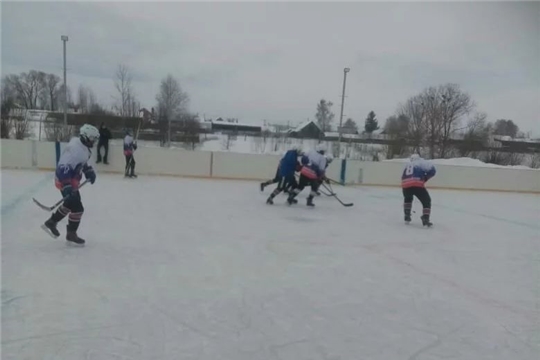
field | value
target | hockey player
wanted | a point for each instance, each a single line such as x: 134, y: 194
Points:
x: 73, y: 162
x: 288, y: 166
x: 129, y: 148
x: 311, y: 173
x: 415, y: 174
x: 329, y: 159
x: 274, y: 180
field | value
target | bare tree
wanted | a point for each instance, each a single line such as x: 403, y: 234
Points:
x: 396, y: 129
x: 125, y: 104
x: 435, y: 116
x: 51, y: 89
x: 28, y: 87
x: 414, y: 111
x: 56, y: 131
x: 476, y: 135
x: 60, y: 97
x: 324, y: 115
x: 8, y: 103
x: 83, y: 99
x: 172, y: 101
x: 534, y: 160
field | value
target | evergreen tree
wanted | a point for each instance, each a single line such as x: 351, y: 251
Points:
x: 371, y: 123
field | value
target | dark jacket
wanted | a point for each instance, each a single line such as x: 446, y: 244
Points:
x: 104, y: 135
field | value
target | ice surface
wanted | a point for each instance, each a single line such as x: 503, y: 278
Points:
x: 202, y: 269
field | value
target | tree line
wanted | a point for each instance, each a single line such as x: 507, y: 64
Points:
x: 429, y: 123
x: 38, y: 90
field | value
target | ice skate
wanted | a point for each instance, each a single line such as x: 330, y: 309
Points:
x: 291, y: 200
x: 74, y: 238
x: 425, y: 221
x: 310, y: 202
x: 269, y: 201
x: 407, y: 217
x: 50, y: 228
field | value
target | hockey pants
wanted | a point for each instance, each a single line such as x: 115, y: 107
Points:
x: 302, y: 183
x: 422, y: 194
x: 74, y: 208
x: 130, y: 165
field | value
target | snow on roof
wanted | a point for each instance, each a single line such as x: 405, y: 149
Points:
x: 226, y: 123
x: 303, y: 125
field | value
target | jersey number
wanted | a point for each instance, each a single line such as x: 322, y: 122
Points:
x: 409, y: 169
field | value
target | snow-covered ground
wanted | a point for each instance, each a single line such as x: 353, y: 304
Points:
x: 180, y: 269
x: 465, y: 161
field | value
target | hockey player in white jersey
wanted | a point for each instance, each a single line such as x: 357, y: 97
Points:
x: 129, y: 148
x: 312, y: 172
x: 72, y: 164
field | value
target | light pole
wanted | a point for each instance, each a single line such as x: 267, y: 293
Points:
x: 345, y: 71
x: 64, y: 39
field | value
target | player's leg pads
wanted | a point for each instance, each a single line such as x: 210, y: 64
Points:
x: 74, y: 204
x: 422, y: 194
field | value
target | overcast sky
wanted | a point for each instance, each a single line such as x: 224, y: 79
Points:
x: 275, y: 61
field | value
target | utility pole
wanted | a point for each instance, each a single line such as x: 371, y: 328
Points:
x: 345, y: 71
x: 64, y: 39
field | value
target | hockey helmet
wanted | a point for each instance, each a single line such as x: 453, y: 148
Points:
x: 89, y: 135
x: 296, y: 148
x: 329, y: 158
x: 320, y: 148
x: 415, y: 157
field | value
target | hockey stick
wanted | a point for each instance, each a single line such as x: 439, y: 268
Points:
x: 51, y: 208
x: 338, y: 199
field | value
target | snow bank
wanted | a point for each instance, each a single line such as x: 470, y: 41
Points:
x: 465, y: 161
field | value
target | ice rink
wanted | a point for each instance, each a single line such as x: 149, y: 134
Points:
x: 203, y: 269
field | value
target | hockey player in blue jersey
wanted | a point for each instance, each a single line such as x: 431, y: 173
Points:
x: 274, y: 180
x: 312, y: 172
x: 415, y: 174
x: 72, y: 164
x: 287, y: 180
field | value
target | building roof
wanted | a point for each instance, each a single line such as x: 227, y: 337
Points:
x: 304, y: 125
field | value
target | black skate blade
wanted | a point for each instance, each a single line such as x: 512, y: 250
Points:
x: 74, y: 244
x: 46, y: 229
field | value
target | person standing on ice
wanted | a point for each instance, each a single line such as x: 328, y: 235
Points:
x: 104, y: 137
x: 72, y: 164
x: 312, y: 172
x: 415, y: 174
x: 129, y: 148
x: 288, y: 166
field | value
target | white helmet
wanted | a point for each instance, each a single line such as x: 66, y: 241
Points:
x: 321, y: 148
x: 89, y: 135
x: 297, y: 148
x: 329, y: 158
x: 415, y: 157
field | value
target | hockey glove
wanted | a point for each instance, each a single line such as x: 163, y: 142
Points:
x: 134, y: 146
x: 67, y: 191
x: 90, y: 174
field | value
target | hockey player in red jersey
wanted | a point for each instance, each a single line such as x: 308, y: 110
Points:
x: 415, y: 174
x: 311, y: 173
x: 72, y: 164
